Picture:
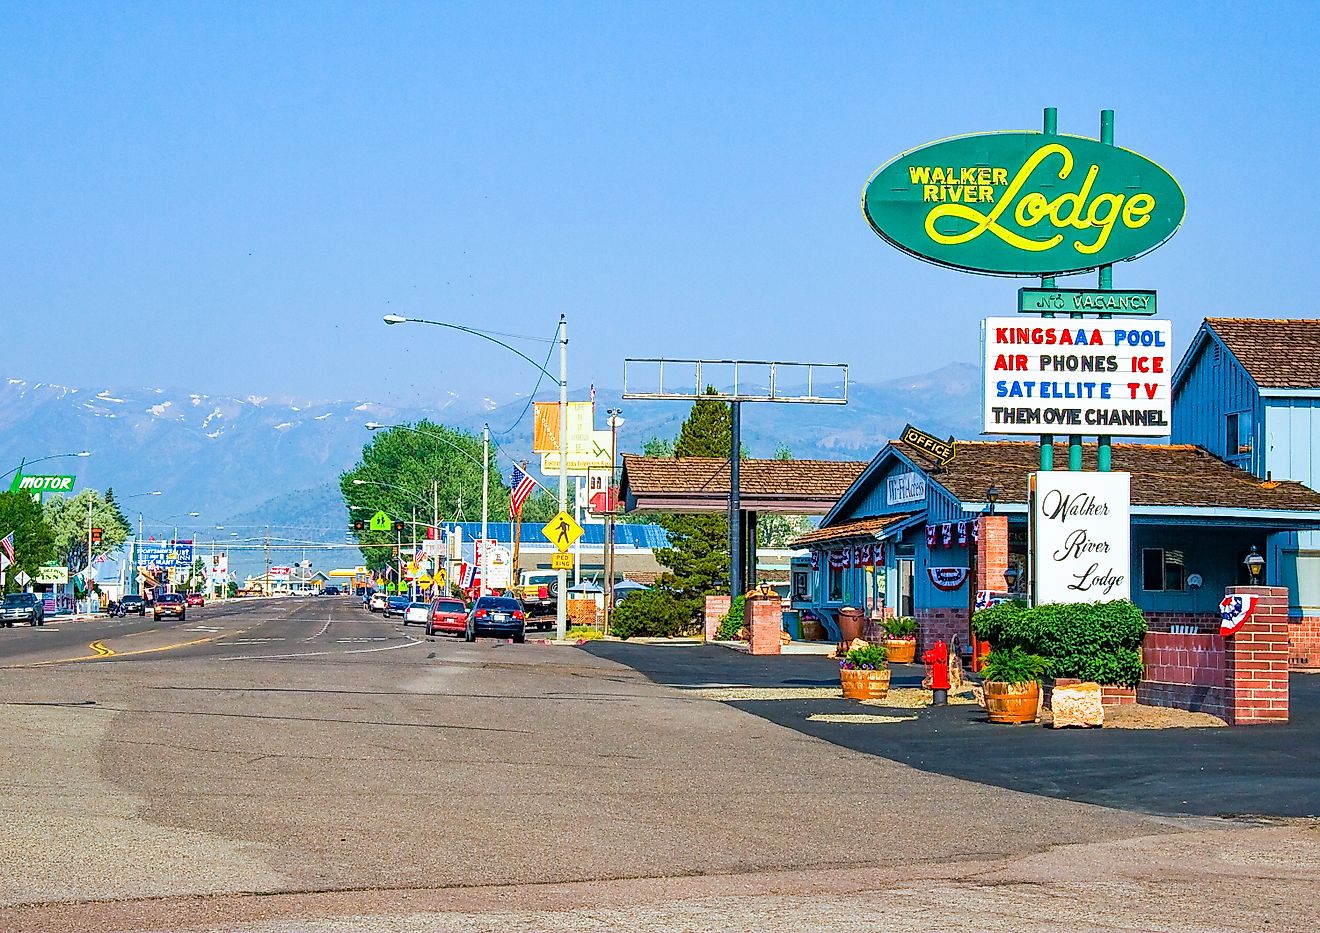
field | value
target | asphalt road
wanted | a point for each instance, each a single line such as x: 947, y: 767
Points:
x: 1260, y: 771
x: 302, y: 765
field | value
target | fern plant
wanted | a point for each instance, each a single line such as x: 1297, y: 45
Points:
x: 1013, y: 666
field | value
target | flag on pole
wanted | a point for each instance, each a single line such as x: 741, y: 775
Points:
x: 522, y: 488
x: 7, y: 545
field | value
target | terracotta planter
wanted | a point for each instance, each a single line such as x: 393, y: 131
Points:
x: 850, y: 624
x: 1011, y: 702
x: 901, y: 650
x: 861, y: 684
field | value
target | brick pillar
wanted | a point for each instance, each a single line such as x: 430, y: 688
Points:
x: 717, y: 607
x: 765, y: 620
x: 992, y: 553
x: 1256, y: 660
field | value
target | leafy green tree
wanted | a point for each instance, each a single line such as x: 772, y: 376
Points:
x: 69, y: 518
x: 34, y: 543
x: 698, y: 555
x: 397, y: 469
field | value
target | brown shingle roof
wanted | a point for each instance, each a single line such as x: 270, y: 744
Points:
x: 1281, y: 353
x: 857, y: 528
x: 709, y: 475
x: 1162, y: 475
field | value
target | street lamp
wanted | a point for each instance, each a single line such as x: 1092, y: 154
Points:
x: 1011, y: 575
x: 1254, y: 563
x: 991, y: 497
x: 26, y: 463
x: 561, y: 607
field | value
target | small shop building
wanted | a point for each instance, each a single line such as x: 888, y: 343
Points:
x: 911, y: 537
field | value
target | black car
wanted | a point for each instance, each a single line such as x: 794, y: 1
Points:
x: 496, y: 617
x: 22, y: 607
x: 133, y: 603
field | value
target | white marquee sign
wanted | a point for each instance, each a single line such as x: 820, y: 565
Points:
x: 1081, y: 536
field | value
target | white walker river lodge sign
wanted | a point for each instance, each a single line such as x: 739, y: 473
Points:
x: 1081, y: 548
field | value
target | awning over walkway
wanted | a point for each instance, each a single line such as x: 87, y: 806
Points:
x: 859, y: 529
x: 701, y: 484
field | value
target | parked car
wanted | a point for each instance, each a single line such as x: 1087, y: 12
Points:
x: 417, y: 611
x: 396, y: 606
x: 133, y: 603
x: 447, y: 615
x: 496, y: 617
x: 195, y: 599
x: 376, y: 603
x: 22, y: 607
x: 169, y: 604
x: 330, y: 591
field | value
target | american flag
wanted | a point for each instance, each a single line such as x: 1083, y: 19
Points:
x: 522, y: 488
x: 7, y: 543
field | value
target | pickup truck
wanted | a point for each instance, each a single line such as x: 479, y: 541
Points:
x: 538, y: 591
x: 22, y: 607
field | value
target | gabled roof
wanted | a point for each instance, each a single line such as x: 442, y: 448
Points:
x: 1277, y: 353
x: 701, y: 484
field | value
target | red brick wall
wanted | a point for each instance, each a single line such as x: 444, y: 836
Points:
x: 717, y: 607
x: 1207, y: 622
x: 1304, y: 639
x: 765, y: 620
x: 992, y: 553
x: 1242, y: 679
x: 940, y: 625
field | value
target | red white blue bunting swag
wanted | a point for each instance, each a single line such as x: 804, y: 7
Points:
x: 947, y: 578
x: 1234, y: 612
x: 949, y: 534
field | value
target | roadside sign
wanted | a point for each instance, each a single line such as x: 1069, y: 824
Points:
x: 545, y: 432
x: 561, y: 561
x: 562, y: 531
x: 52, y: 573
x: 22, y: 579
x: 593, y: 454
x: 380, y: 522
x: 944, y: 452
x: 433, y: 547
x: 498, y: 561
x: 424, y: 580
x: 1086, y: 301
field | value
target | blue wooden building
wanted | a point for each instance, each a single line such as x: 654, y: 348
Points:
x: 1248, y: 391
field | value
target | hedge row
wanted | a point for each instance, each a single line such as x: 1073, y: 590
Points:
x: 1091, y: 641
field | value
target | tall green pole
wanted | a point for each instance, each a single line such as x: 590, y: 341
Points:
x: 1106, y: 282
x: 1050, y: 128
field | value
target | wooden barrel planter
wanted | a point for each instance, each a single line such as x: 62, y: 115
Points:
x: 901, y: 650
x: 1011, y: 702
x: 850, y: 624
x: 859, y: 684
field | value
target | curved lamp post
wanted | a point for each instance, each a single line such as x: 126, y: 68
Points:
x: 26, y: 463
x: 561, y: 605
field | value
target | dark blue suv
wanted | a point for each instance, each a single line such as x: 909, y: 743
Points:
x: 496, y: 617
x: 396, y: 605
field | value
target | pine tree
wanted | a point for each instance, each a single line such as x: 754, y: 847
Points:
x: 698, y: 555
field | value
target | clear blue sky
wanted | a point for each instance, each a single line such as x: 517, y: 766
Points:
x: 256, y: 184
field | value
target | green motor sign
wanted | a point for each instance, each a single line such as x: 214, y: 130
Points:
x: 1022, y: 203
x: 39, y: 485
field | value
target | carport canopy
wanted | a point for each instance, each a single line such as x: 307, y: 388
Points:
x: 701, y: 484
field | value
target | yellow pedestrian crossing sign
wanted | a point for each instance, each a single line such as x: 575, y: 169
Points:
x: 562, y: 531
x: 380, y: 522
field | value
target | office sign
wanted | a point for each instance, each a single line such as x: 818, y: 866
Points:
x: 1067, y: 376
x: 943, y: 451
x: 1023, y: 203
x: 1081, y: 536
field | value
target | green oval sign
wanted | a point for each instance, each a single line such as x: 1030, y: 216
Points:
x: 1020, y: 203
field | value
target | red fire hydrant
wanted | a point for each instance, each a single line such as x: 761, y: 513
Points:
x: 937, y: 661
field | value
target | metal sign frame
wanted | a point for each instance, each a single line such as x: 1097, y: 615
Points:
x: 767, y: 389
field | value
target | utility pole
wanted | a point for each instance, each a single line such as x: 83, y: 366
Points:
x: 86, y: 580
x: 614, y: 423
x: 561, y: 600
x: 266, y: 588
x: 485, y: 507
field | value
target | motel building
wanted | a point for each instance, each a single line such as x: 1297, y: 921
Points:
x: 911, y: 537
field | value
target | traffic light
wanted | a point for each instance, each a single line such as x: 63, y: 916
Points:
x: 398, y: 526
x: 96, y: 536
x: 359, y: 525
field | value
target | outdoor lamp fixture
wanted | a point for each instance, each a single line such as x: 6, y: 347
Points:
x: 992, y: 496
x: 1011, y: 576
x: 395, y: 319
x: 1254, y: 563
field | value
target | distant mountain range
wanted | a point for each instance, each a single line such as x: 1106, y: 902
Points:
x: 248, y: 462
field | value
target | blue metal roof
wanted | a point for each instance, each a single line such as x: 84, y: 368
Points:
x: 625, y: 535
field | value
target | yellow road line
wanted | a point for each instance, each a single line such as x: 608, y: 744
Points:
x: 124, y: 654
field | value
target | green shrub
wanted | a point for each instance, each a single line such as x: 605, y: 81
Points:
x: 904, y: 627
x: 655, y: 613
x: 584, y: 632
x: 1090, y: 641
x: 869, y: 657
x: 1013, y: 666
x: 733, y: 620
